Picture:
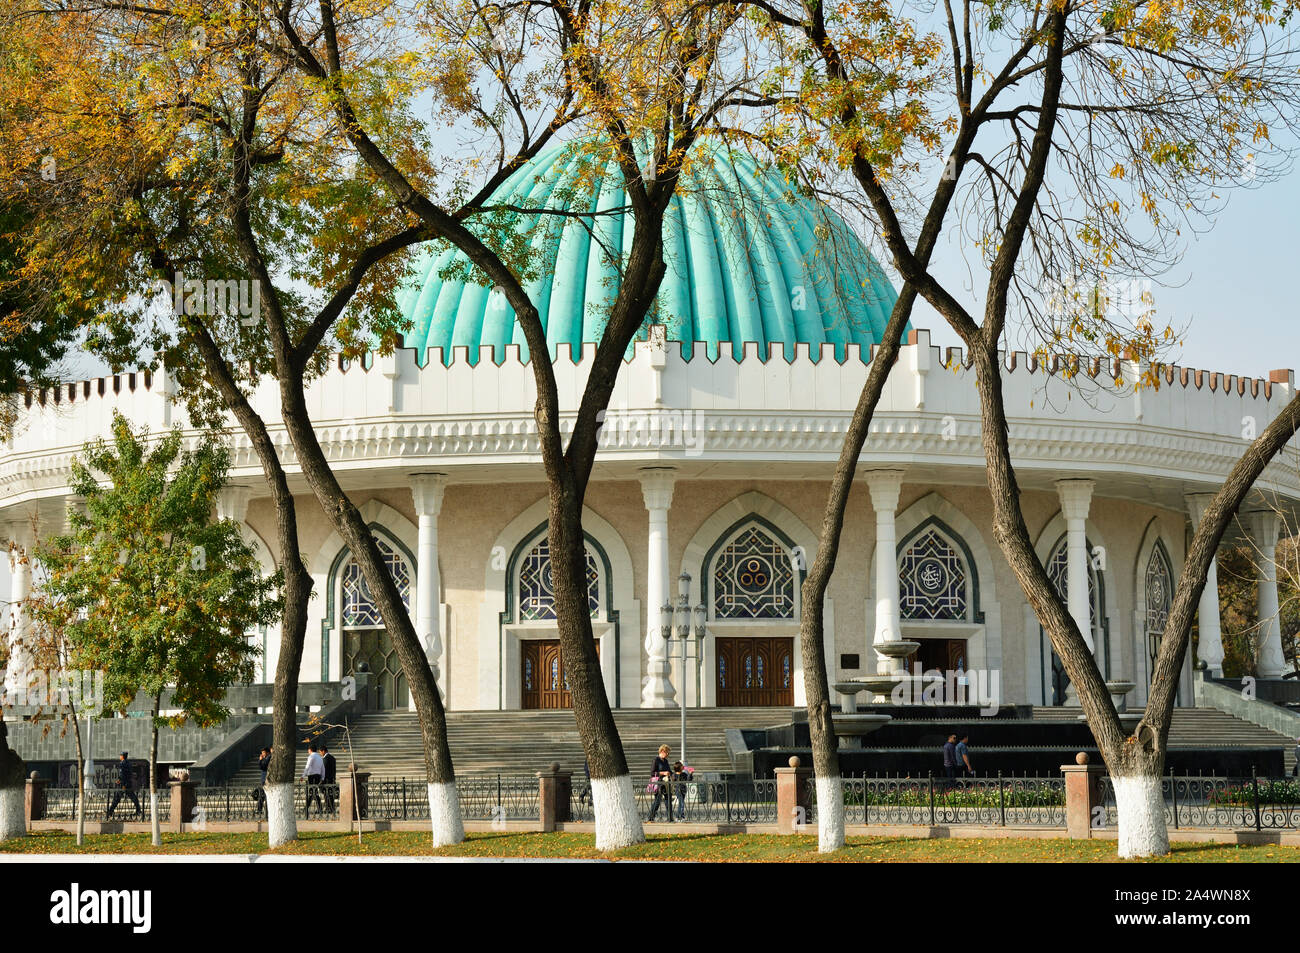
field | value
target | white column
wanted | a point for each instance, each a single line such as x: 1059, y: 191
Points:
x: 232, y: 503
x: 427, y: 491
x: 1263, y: 527
x: 885, y: 486
x: 1210, y: 643
x: 657, y: 489
x: 20, y: 537
x: 1076, y: 496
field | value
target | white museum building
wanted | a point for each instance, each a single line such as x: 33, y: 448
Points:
x: 716, y: 456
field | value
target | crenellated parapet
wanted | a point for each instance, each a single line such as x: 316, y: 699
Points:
x: 407, y: 411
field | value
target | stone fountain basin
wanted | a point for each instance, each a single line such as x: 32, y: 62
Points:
x: 850, y: 688
x: 858, y: 725
x: 901, y: 648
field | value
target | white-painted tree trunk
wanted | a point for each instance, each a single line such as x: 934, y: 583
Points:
x: 830, y: 814
x: 618, y: 822
x: 1141, y: 806
x: 444, y: 814
x: 13, y: 820
x: 281, y: 824
x: 154, y: 826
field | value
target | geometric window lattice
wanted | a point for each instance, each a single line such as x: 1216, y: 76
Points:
x: 359, y: 609
x: 1058, y: 574
x: 537, y: 589
x: 1159, y: 589
x: 932, y: 580
x: 753, y: 579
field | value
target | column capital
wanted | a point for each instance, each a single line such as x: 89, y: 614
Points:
x: 1075, y: 497
x: 18, y: 531
x: 1196, y: 505
x: 885, y: 486
x: 657, y: 487
x: 427, y: 490
x: 1263, y: 526
x: 232, y: 502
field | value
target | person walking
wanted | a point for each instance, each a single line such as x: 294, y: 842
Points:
x: 1295, y: 768
x: 125, y: 786
x: 950, y: 757
x: 964, y: 768
x: 313, y: 772
x: 330, y: 779
x: 263, y: 765
x: 586, y: 792
x: 681, y: 774
x: 661, y: 783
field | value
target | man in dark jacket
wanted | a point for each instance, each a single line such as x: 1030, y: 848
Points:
x: 124, y: 787
x: 263, y: 765
x: 330, y: 779
x: 950, y: 757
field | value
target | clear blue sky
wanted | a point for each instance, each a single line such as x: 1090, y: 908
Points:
x: 1236, y: 290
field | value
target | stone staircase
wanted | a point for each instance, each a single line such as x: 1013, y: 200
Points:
x: 522, y: 742
x: 1201, y: 727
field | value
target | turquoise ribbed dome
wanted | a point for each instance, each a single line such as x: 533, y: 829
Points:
x: 748, y: 260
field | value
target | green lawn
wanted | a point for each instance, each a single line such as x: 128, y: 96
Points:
x: 710, y: 847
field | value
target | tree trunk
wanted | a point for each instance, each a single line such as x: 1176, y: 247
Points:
x: 1140, y: 802
x: 13, y: 820
x: 812, y: 637
x: 618, y: 822
x: 444, y: 803
x: 81, y: 779
x: 282, y: 825
x: 1131, y: 760
x: 154, y: 826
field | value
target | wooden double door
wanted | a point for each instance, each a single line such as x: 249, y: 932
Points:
x: 545, y: 683
x: 755, y: 671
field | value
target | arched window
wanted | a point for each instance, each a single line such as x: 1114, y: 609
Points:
x: 537, y: 590
x: 367, y: 646
x: 1058, y: 572
x: 1159, y: 597
x: 359, y: 609
x: 933, y: 582
x: 753, y: 578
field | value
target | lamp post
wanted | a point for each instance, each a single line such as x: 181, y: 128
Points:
x: 687, y: 626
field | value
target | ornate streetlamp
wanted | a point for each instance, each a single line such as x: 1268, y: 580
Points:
x: 687, y: 626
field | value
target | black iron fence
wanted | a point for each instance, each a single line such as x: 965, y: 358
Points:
x: 990, y: 802
x: 484, y: 798
x: 742, y: 801
x: 61, y: 804
x: 1190, y: 802
x: 1252, y: 803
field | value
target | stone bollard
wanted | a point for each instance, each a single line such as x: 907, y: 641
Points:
x: 792, y: 798
x: 35, y: 802
x: 352, y: 796
x: 555, y: 789
x: 185, y: 799
x: 1082, y: 796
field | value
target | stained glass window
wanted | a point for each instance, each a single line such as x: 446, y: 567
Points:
x: 1159, y: 588
x: 359, y: 609
x: 537, y: 590
x: 932, y: 580
x: 1059, y: 574
x: 753, y: 578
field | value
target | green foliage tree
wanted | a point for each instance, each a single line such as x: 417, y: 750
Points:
x: 151, y: 588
